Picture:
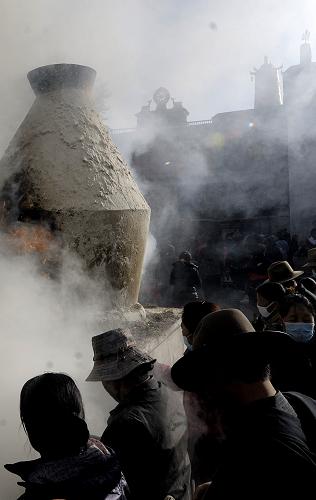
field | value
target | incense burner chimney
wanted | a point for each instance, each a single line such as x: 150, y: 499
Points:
x: 69, y: 170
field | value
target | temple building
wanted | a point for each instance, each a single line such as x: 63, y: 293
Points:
x: 252, y: 169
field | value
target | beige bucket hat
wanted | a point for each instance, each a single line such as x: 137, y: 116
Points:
x: 115, y: 355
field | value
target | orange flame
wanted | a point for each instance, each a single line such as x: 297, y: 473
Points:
x: 30, y: 239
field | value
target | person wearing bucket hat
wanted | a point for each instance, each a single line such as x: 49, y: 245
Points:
x: 268, y: 451
x: 116, y: 355
x: 147, y: 429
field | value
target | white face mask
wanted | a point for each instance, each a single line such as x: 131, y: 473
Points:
x: 301, y: 332
x: 264, y: 310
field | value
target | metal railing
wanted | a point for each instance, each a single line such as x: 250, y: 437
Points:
x: 199, y: 122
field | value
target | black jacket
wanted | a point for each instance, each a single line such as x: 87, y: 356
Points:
x: 185, y: 279
x: 92, y: 475
x: 292, y: 364
x: 268, y: 454
x: 148, y: 432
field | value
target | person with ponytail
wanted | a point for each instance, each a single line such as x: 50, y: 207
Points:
x: 72, y: 465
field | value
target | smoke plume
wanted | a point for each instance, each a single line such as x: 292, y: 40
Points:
x: 202, y: 51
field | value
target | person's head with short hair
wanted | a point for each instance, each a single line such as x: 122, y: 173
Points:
x: 52, y: 415
x: 192, y: 314
x: 296, y: 308
x: 269, y: 296
x: 118, y: 363
x: 298, y: 316
x: 185, y: 256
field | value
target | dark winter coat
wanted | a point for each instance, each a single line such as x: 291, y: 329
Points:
x: 186, y: 282
x: 269, y: 452
x: 148, y: 432
x: 95, y: 474
x: 290, y: 364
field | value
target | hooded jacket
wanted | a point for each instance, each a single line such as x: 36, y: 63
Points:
x: 94, y: 474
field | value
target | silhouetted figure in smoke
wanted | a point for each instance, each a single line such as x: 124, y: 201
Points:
x: 185, y: 280
x: 257, y: 271
x: 72, y: 466
x: 273, y: 251
x: 269, y: 437
x: 147, y: 429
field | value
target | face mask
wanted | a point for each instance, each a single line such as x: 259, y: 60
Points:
x: 264, y: 310
x: 301, y: 332
x: 187, y: 343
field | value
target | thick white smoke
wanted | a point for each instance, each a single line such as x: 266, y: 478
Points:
x: 202, y: 51
x: 45, y: 326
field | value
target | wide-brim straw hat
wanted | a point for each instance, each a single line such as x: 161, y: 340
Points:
x: 225, y: 343
x: 311, y: 258
x: 115, y: 355
x: 281, y: 272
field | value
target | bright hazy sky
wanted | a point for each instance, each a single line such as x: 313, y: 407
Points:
x: 202, y: 51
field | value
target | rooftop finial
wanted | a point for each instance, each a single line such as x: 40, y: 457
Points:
x: 305, y: 50
x: 306, y: 35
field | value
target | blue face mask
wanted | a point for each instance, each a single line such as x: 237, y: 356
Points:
x: 187, y: 343
x: 301, y: 332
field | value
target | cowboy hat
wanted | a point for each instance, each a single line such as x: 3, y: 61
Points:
x: 115, y: 355
x: 281, y: 272
x: 226, y: 345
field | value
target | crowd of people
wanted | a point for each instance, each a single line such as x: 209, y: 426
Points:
x: 239, y: 261
x: 234, y: 417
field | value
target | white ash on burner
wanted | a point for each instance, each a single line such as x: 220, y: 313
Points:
x: 66, y: 167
